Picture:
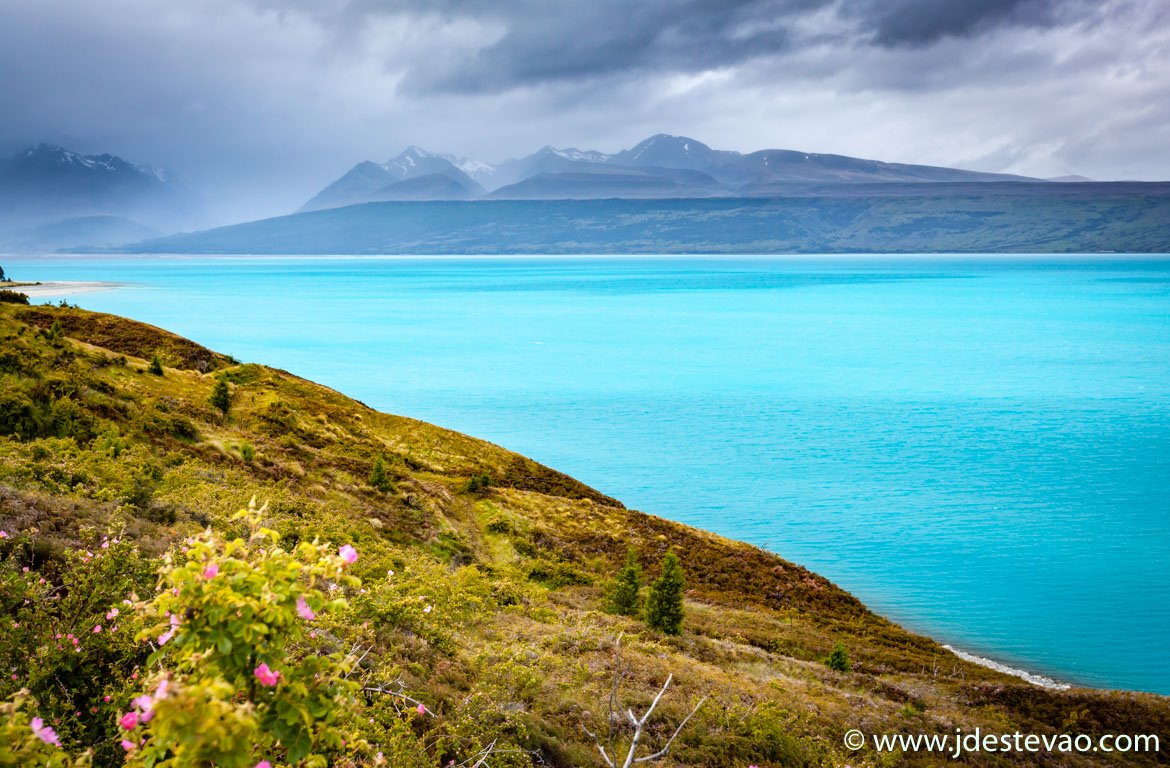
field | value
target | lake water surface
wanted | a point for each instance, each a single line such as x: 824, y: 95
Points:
x: 977, y: 447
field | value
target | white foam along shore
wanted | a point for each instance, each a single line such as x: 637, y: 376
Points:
x: 1034, y: 679
x: 59, y: 288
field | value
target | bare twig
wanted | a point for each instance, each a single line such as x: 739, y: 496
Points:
x: 637, y: 723
x: 666, y: 747
x: 600, y: 748
x: 398, y: 693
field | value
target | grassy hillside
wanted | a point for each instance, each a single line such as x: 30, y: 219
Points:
x: 878, y: 218
x: 485, y: 601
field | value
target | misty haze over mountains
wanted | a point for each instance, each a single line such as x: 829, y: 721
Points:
x: 662, y: 166
x: 52, y: 198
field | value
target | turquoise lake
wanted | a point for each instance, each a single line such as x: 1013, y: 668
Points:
x: 977, y: 447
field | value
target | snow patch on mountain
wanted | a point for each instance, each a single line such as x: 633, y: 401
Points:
x: 476, y: 169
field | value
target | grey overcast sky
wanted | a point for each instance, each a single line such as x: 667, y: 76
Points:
x: 262, y: 102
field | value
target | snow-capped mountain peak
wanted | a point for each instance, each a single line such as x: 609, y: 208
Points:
x: 415, y: 151
x: 415, y: 161
x: 476, y: 169
x: 581, y: 156
x: 47, y: 183
x: 61, y: 157
x: 45, y: 156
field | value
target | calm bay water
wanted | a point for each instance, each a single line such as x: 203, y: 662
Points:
x: 977, y: 447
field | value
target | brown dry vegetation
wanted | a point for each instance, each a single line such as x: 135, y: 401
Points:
x: 90, y: 440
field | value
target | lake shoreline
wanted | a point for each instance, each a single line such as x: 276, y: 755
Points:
x: 59, y: 288
x: 1029, y: 677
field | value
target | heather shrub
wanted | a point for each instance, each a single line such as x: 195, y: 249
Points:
x: 478, y: 483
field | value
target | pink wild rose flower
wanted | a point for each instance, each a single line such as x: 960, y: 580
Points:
x: 304, y: 611
x: 44, y: 732
x: 165, y: 637
x: 266, y: 676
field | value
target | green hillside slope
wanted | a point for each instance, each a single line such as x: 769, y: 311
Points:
x: 484, y: 579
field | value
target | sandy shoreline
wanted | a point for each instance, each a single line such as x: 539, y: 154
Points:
x: 1034, y: 679
x: 59, y: 288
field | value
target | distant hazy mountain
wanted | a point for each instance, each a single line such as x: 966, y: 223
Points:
x: 478, y: 170
x: 753, y: 174
x: 414, y: 162
x: 667, y: 151
x: 547, y: 160
x: 649, y: 169
x: 96, y: 231
x: 49, y: 193
x: 415, y: 174
x: 450, y: 184
x: 893, y: 217
x: 609, y: 181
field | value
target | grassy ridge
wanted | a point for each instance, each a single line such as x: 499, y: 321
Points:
x: 867, y: 218
x: 520, y: 647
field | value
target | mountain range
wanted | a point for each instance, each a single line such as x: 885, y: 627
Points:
x: 51, y: 196
x: 662, y: 166
x: 666, y: 194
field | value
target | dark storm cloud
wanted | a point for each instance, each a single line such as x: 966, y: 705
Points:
x: 586, y: 40
x: 548, y: 42
x: 922, y: 22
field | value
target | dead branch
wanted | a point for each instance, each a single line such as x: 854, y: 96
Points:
x: 609, y: 756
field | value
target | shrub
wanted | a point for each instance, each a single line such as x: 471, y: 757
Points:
x: 428, y: 599
x: 769, y: 730
x: 234, y: 682
x: 31, y: 741
x: 70, y: 641
x: 623, y: 595
x: 664, y: 607
x: 247, y: 452
x: 155, y: 366
x: 478, y: 483
x: 40, y: 414
x: 221, y: 397
x: 111, y: 443
x: 140, y: 488
x: 499, y: 526
x: 13, y: 297
x: 839, y: 659
x: 379, y: 480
